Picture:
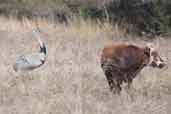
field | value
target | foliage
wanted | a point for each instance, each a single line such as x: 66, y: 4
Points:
x: 149, y: 16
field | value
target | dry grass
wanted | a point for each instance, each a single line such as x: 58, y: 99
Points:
x: 71, y: 81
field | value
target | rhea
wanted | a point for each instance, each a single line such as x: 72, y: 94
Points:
x: 31, y: 61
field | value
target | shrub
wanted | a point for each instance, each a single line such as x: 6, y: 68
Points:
x: 149, y: 16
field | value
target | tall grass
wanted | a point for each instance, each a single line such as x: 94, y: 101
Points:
x: 71, y: 81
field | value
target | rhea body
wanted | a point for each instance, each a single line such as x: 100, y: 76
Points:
x: 31, y: 61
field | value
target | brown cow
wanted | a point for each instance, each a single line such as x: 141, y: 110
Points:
x: 122, y: 62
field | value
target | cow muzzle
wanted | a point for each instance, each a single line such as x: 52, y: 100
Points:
x: 158, y: 64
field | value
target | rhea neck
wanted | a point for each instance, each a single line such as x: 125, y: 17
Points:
x: 43, y: 49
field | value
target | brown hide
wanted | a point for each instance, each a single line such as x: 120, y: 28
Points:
x: 122, y: 62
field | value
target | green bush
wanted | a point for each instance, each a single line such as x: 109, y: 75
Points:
x: 150, y: 16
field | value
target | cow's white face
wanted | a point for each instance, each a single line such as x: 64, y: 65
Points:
x: 155, y: 59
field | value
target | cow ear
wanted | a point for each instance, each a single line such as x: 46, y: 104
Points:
x: 151, y: 46
x: 147, y: 51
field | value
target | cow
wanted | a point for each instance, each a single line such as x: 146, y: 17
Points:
x: 122, y: 62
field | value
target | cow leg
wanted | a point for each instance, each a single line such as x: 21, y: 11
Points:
x: 118, y: 88
x: 110, y: 80
x: 129, y: 82
x: 128, y: 79
x: 130, y: 89
x: 111, y: 83
x: 114, y: 84
x: 114, y: 81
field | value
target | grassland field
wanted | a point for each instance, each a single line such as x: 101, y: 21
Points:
x: 71, y: 81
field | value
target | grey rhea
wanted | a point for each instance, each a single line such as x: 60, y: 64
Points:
x: 31, y: 61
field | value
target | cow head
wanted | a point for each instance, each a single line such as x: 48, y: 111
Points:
x: 155, y: 59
